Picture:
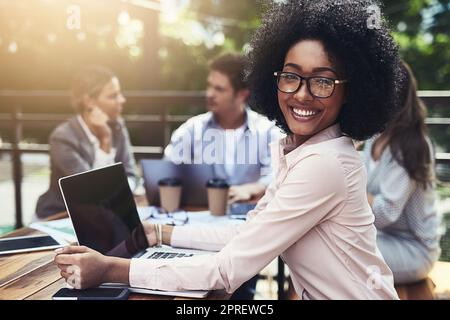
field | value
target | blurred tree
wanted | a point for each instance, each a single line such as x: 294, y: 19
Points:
x: 208, y: 27
x: 39, y: 51
x: 421, y: 27
x: 44, y: 42
x: 205, y: 29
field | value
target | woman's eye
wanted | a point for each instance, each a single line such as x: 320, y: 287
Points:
x: 323, y: 82
x: 289, y: 77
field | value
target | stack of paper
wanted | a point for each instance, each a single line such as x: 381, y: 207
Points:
x: 58, y: 229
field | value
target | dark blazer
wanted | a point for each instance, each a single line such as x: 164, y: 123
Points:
x: 71, y: 152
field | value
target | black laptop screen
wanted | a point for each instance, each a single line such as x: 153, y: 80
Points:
x: 103, y: 212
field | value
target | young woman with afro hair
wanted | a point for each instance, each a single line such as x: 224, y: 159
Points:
x: 327, y: 72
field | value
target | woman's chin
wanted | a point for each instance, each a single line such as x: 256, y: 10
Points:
x: 303, y: 130
x: 114, y: 117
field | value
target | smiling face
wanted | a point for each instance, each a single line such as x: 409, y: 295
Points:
x: 305, y: 114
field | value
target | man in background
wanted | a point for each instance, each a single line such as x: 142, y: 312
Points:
x: 230, y: 136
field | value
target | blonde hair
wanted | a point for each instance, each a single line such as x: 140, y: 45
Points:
x: 89, y: 81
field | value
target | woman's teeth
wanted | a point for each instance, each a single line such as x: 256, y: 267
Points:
x: 304, y: 113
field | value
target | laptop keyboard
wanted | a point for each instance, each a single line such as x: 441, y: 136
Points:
x: 168, y: 255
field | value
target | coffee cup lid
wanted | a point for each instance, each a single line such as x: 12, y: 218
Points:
x: 217, y: 183
x: 170, y: 182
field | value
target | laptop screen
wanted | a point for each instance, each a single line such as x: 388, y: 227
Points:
x: 193, y: 177
x: 103, y: 212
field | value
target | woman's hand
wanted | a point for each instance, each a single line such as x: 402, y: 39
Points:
x: 370, y: 199
x: 149, y: 229
x: 150, y: 232
x: 81, y: 266
x: 245, y: 192
x: 97, y: 121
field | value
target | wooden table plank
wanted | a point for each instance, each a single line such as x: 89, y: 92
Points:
x: 23, y: 232
x: 47, y: 292
x: 31, y: 283
x: 18, y: 265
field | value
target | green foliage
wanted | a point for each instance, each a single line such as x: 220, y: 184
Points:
x: 421, y: 28
x: 445, y: 239
x: 185, y: 66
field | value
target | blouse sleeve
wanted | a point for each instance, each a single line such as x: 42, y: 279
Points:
x: 313, y: 191
x: 216, y: 237
x: 203, y: 237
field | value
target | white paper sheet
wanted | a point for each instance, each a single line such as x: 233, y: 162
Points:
x: 59, y: 229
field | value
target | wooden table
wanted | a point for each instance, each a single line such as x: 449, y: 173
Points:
x: 34, y: 275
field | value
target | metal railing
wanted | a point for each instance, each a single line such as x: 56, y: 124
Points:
x: 151, y: 106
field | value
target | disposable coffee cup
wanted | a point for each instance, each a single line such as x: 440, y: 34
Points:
x: 217, y: 190
x: 170, y: 193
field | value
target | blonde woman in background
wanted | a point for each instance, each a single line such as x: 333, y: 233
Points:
x: 95, y: 137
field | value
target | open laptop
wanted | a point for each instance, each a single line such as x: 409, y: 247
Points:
x: 104, y: 216
x: 193, y: 176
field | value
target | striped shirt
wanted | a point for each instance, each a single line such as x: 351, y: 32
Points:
x: 201, y: 140
x: 401, y: 206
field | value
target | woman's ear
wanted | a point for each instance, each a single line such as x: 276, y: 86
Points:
x: 88, y: 103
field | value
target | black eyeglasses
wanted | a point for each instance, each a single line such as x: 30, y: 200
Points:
x: 177, y: 218
x: 319, y: 87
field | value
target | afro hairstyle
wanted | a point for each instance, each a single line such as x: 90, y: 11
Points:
x: 365, y: 49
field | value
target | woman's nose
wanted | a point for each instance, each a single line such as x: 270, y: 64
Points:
x: 303, y: 93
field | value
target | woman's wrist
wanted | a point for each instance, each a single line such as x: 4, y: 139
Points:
x: 370, y: 199
x: 167, y: 234
x: 105, y: 144
x: 117, y: 270
x: 258, y: 189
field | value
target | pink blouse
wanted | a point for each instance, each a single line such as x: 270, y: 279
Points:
x: 315, y: 215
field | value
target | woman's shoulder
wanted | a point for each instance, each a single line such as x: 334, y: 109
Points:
x: 341, y: 149
x: 67, y: 129
x: 332, y: 163
x: 321, y: 170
